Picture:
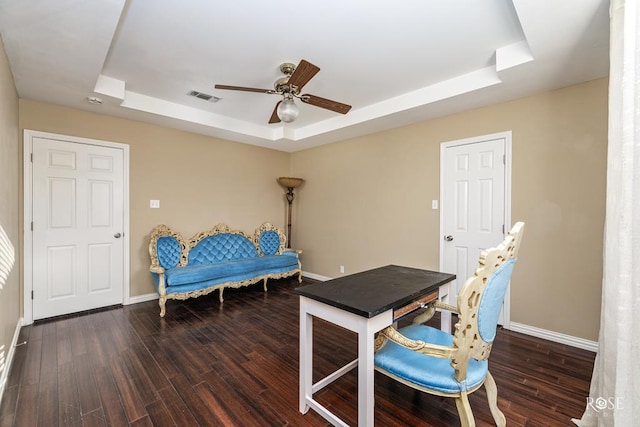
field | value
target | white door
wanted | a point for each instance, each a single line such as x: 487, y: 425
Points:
x: 473, y: 195
x: 78, y: 220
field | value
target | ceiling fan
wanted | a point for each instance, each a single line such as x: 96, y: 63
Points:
x: 289, y: 87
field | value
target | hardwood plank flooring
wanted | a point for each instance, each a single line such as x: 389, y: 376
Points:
x: 236, y: 364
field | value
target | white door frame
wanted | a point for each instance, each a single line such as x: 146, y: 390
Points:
x: 27, y: 147
x: 506, y: 313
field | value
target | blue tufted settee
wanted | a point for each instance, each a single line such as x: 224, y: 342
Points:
x: 217, y: 259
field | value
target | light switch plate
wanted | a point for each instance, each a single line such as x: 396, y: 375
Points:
x: 434, y: 204
x: 154, y: 204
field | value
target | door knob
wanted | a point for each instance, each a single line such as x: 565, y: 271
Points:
x: 117, y: 235
x: 448, y: 238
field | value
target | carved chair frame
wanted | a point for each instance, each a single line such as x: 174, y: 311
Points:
x: 467, y: 341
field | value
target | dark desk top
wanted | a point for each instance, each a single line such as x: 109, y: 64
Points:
x: 372, y: 292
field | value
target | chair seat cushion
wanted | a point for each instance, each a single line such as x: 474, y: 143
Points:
x: 206, y: 272
x: 427, y: 371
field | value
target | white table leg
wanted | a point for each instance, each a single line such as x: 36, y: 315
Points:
x: 306, y: 356
x: 366, y: 329
x: 366, y: 397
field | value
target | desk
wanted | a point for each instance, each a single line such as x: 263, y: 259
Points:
x: 364, y: 303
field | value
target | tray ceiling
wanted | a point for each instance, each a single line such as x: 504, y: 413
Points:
x: 395, y: 64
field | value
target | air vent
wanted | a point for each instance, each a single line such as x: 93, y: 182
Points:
x: 204, y: 96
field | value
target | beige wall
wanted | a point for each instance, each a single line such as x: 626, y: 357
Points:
x: 200, y: 181
x: 367, y: 201
x: 10, y: 293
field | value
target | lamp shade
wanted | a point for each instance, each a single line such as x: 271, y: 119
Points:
x: 287, y: 110
x: 290, y: 182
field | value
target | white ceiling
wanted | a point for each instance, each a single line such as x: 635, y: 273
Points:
x: 395, y: 63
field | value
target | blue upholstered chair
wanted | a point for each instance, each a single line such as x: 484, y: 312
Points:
x: 443, y: 364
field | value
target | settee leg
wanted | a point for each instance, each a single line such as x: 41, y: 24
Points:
x: 221, y: 298
x: 265, y: 285
x: 162, y: 301
x: 300, y: 277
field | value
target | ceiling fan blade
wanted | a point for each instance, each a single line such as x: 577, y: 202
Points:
x: 302, y: 74
x: 244, y: 89
x: 274, y: 116
x: 338, y: 107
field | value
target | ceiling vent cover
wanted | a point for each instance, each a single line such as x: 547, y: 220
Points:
x: 204, y: 96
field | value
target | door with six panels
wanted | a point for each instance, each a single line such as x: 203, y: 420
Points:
x: 78, y: 219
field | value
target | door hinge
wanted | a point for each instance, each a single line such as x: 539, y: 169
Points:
x: 502, y: 228
x: 504, y: 159
x: 31, y: 157
x: 31, y: 225
x: 31, y: 294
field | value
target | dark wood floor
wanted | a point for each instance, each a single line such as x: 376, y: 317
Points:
x: 236, y: 364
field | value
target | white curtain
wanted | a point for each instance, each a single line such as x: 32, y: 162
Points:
x: 614, y: 399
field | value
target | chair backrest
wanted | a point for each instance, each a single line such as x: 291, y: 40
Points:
x: 480, y: 300
x: 167, y: 248
x: 269, y: 239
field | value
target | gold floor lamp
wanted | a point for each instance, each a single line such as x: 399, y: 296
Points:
x: 289, y: 183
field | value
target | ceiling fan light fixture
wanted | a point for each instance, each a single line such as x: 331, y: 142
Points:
x: 287, y: 110
x: 289, y: 87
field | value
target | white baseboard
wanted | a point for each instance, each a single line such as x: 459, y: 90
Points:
x: 316, y: 276
x: 554, y: 336
x: 8, y: 361
x: 141, y: 298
